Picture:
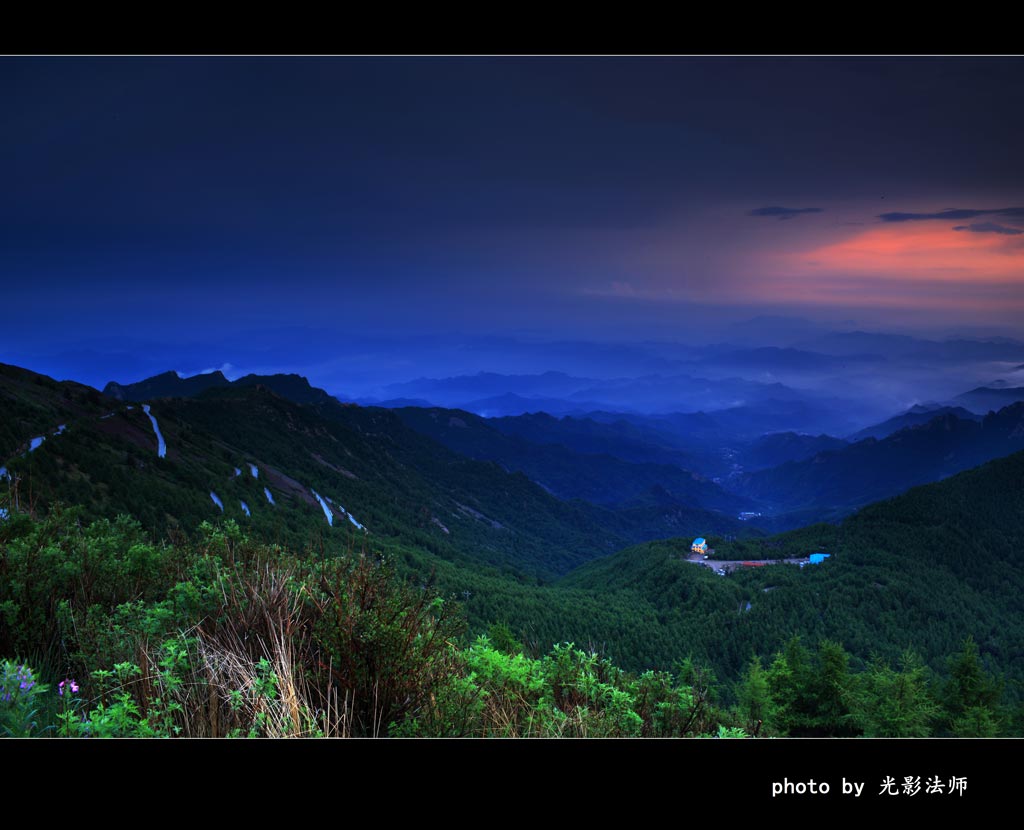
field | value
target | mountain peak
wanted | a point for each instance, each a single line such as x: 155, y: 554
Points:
x: 294, y: 387
x: 167, y: 384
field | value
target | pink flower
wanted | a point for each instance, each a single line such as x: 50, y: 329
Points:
x: 71, y: 684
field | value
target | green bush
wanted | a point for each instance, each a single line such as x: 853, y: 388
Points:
x: 20, y: 700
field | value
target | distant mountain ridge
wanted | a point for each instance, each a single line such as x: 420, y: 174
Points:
x: 984, y: 398
x: 569, y: 472
x: 786, y: 408
x: 780, y: 447
x: 165, y: 385
x: 918, y: 414
x: 900, y: 345
x: 873, y: 469
x: 782, y: 359
x: 170, y: 385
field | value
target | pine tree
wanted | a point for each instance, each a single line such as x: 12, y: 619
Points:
x: 894, y: 702
x: 757, y: 708
x: 971, y: 696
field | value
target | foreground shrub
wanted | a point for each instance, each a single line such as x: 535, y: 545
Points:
x: 21, y: 696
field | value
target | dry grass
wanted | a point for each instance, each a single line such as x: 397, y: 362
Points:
x: 253, y: 666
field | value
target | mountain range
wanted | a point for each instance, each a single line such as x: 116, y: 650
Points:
x: 564, y: 528
x: 837, y: 481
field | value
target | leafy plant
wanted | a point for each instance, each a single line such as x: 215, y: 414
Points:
x: 20, y: 700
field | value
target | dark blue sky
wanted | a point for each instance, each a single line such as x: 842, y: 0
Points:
x: 289, y: 213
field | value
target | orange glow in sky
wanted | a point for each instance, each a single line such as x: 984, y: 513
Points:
x: 910, y: 265
x: 917, y: 252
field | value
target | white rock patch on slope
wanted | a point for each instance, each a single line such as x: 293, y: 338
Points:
x: 161, y: 445
x: 217, y: 501
x: 270, y: 498
x: 327, y: 510
x: 254, y: 471
x: 351, y: 518
x: 245, y: 509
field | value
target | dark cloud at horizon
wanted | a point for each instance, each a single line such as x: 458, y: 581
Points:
x: 782, y: 212
x: 952, y: 214
x: 989, y: 227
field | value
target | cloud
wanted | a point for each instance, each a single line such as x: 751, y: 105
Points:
x: 917, y: 252
x: 782, y: 212
x: 989, y: 227
x: 952, y: 214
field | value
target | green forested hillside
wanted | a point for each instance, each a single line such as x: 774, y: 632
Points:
x: 105, y: 634
x: 413, y: 496
x: 34, y: 405
x: 914, y: 575
x: 600, y: 478
x: 922, y: 570
x: 403, y: 488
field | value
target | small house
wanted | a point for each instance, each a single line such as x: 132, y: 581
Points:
x: 699, y: 545
x: 818, y: 558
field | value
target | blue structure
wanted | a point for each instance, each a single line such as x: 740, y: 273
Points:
x: 699, y: 545
x: 818, y: 558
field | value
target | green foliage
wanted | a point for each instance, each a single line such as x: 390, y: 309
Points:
x: 977, y: 722
x: 386, y: 643
x: 971, y: 696
x: 131, y: 703
x: 667, y: 706
x: 920, y: 571
x: 583, y: 697
x: 892, y: 702
x: 503, y: 638
x: 324, y: 640
x: 58, y: 568
x: 755, y: 704
x: 20, y: 700
x: 574, y: 693
x: 810, y: 690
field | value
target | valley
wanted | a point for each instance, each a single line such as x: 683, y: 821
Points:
x: 523, y: 525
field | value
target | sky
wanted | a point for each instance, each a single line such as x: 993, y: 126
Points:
x: 343, y: 216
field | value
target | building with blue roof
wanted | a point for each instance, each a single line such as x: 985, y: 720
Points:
x: 699, y: 545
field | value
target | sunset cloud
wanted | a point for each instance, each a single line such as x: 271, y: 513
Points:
x: 989, y: 227
x: 917, y: 253
x: 953, y: 215
x: 782, y: 212
x: 916, y: 267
